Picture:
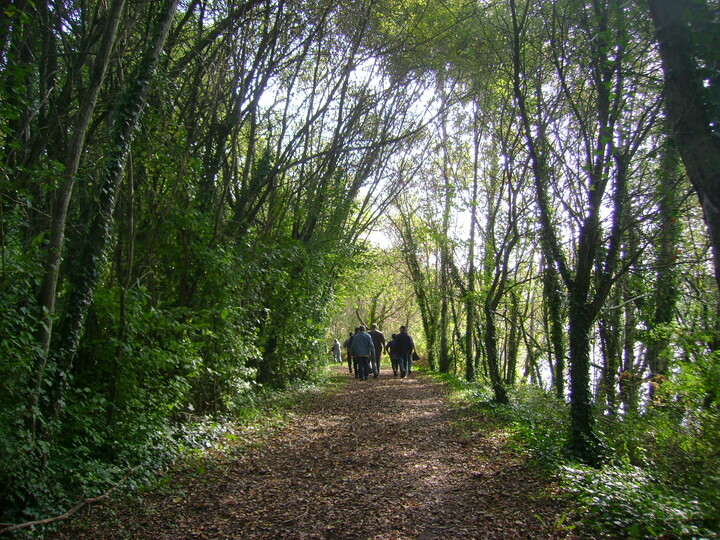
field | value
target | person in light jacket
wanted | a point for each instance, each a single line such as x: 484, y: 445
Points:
x: 335, y: 350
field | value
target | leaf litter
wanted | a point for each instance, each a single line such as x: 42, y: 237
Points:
x: 376, y: 459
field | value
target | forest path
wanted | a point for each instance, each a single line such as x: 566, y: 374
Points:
x: 370, y: 459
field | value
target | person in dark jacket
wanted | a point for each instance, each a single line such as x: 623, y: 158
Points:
x: 390, y: 348
x: 404, y: 346
x: 362, y: 348
x: 379, y: 341
x: 346, y: 346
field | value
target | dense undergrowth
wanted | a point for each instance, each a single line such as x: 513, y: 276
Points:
x: 660, y: 477
x: 174, y: 443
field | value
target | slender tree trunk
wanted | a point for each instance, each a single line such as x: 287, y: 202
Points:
x: 553, y: 309
x: 125, y: 259
x: 610, y: 333
x: 444, y: 352
x: 513, y: 342
x: 666, y: 291
x: 631, y: 369
x: 470, y: 297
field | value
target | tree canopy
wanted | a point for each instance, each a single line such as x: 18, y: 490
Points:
x: 188, y: 192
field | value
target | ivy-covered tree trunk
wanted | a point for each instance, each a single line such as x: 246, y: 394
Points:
x: 493, y: 361
x: 584, y: 442
x: 428, y: 310
x: 691, y: 98
x: 666, y: 290
x: 48, y: 289
x: 556, y: 327
x: 86, y: 269
x: 592, y: 268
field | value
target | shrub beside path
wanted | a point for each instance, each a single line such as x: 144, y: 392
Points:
x: 373, y: 459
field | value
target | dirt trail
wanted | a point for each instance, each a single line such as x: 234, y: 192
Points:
x: 377, y: 459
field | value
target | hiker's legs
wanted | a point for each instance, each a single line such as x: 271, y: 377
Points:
x: 363, y: 368
x: 403, y: 364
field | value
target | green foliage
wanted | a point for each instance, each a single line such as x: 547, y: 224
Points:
x: 630, y: 502
x: 662, y: 481
x: 19, y: 349
x: 297, y: 291
x: 540, y: 423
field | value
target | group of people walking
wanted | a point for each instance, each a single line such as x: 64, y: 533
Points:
x: 365, y: 349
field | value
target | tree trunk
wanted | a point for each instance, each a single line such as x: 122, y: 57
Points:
x: 427, y: 308
x: 553, y: 310
x: 74, y: 154
x: 48, y: 289
x: 444, y: 352
x: 631, y: 374
x: 470, y: 296
x: 86, y: 271
x: 610, y: 333
x: 491, y: 352
x: 513, y: 342
x: 686, y: 104
x: 665, y: 294
x: 584, y: 443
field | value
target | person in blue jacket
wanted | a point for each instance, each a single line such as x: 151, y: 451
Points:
x: 363, y: 349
